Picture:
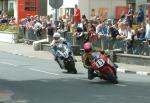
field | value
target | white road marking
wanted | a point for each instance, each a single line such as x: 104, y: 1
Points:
x: 142, y: 73
x: 121, y: 70
x: 37, y: 70
x: 121, y: 85
x: 10, y: 64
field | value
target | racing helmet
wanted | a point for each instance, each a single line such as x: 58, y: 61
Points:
x: 56, y: 36
x: 88, y: 47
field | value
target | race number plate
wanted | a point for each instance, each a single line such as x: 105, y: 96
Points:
x: 100, y: 62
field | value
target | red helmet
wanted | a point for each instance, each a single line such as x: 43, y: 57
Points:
x: 88, y: 47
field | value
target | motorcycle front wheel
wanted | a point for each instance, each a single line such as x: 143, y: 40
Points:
x: 111, y: 77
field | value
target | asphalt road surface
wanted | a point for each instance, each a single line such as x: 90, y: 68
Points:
x: 32, y: 80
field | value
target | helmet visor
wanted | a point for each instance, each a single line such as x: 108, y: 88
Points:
x: 56, y: 38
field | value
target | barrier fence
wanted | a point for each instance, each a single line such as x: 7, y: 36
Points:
x: 136, y: 47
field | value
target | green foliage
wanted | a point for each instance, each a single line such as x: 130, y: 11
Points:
x: 3, y: 27
x: 9, y: 28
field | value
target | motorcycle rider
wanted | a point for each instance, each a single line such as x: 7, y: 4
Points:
x: 88, y: 48
x: 57, y: 39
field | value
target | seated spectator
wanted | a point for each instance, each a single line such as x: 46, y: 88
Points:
x: 4, y: 20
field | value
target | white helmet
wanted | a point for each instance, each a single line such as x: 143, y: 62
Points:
x: 56, y: 36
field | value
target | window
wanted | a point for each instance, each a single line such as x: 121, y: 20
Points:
x: 11, y: 6
x: 30, y: 3
x: 30, y: 6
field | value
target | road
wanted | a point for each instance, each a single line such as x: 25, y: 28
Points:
x: 32, y: 80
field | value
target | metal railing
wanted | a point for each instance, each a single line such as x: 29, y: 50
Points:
x: 136, y: 47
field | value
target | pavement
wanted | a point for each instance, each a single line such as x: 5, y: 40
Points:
x: 27, y: 50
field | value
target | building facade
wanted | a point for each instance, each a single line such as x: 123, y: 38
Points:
x: 105, y: 8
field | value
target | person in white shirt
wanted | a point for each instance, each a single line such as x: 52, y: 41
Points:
x: 130, y: 33
x: 147, y: 34
x: 123, y: 30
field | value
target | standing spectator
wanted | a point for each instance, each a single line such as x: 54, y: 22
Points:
x: 123, y: 30
x: 84, y: 17
x: 140, y: 16
x: 123, y: 34
x: 103, y: 34
x: 147, y: 35
x: 77, y: 18
x: 141, y: 32
x: 37, y: 29
x: 61, y: 24
x: 130, y: 16
x: 90, y: 33
x: 113, y: 31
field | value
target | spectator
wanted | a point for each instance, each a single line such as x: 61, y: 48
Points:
x: 90, y: 34
x: 123, y: 30
x: 140, y: 16
x: 113, y: 31
x: 130, y: 33
x: 37, y: 29
x: 61, y: 24
x: 141, y: 32
x: 77, y: 18
x: 147, y: 35
x: 12, y: 21
x: 104, y: 30
x: 4, y: 19
x: 103, y: 35
x: 84, y: 17
x: 130, y: 16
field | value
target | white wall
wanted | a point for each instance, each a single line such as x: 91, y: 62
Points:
x: 70, y: 3
x: 87, y: 5
x: 49, y: 11
x: 84, y: 6
x: 110, y: 4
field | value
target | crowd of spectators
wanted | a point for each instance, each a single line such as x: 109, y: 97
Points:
x: 129, y: 27
x: 4, y: 19
x: 37, y: 27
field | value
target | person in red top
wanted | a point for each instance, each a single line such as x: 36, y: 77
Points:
x: 77, y: 18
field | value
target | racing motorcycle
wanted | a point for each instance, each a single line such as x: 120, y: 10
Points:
x: 65, y: 57
x: 100, y: 65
